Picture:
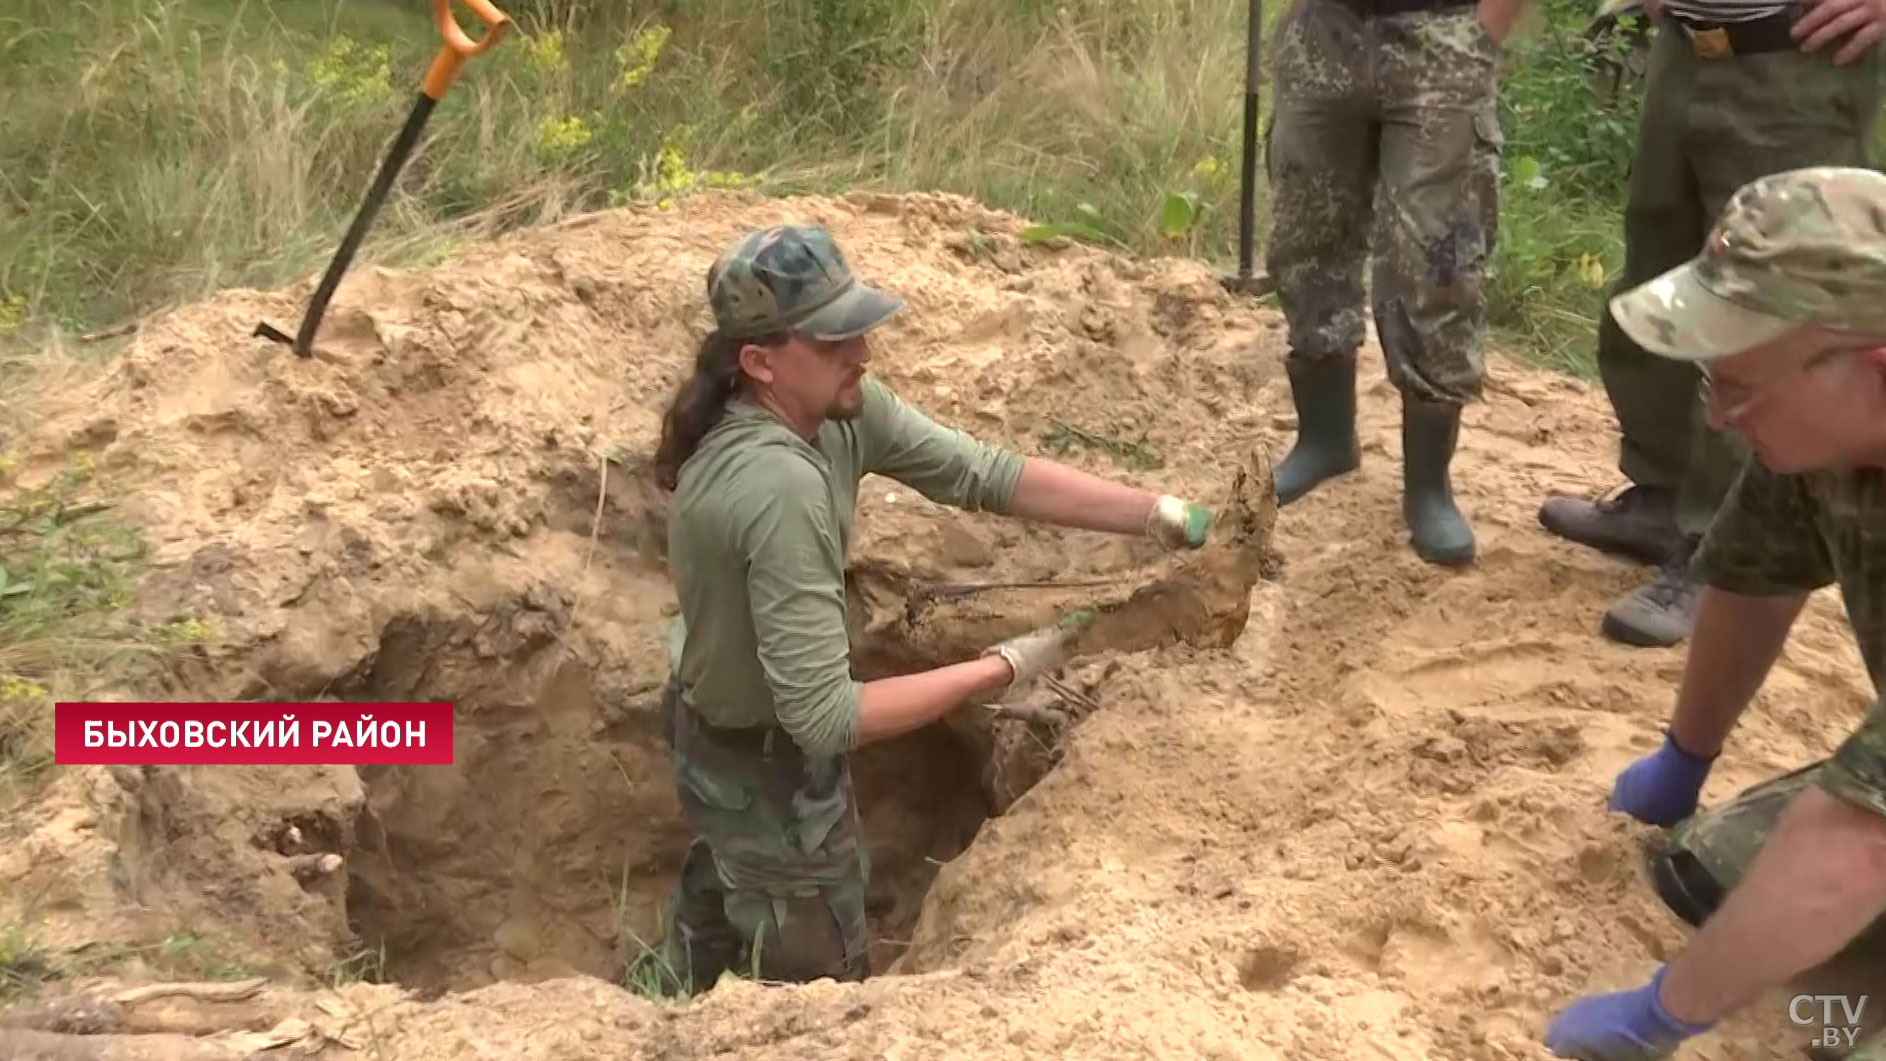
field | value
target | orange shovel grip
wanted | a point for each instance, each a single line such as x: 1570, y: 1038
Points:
x: 458, y: 46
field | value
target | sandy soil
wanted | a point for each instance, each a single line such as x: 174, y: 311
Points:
x: 1357, y: 814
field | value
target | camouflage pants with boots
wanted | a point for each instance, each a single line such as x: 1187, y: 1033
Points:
x: 1401, y: 94
x: 775, y: 878
x: 1708, y: 854
x: 1712, y: 121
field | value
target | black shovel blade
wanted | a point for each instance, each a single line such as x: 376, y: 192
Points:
x: 1256, y: 285
x: 303, y: 343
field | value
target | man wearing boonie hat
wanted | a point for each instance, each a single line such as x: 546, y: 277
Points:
x: 1735, y: 90
x: 1784, y: 310
x: 763, y: 448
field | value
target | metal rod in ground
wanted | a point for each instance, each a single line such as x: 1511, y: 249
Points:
x: 964, y: 589
x: 363, y: 220
x: 1247, y: 279
x: 1070, y: 694
x: 1036, y: 713
x: 1247, y: 192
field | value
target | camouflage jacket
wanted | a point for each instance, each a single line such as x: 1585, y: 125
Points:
x: 1784, y: 534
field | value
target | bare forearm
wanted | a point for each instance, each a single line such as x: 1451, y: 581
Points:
x: 1499, y: 16
x: 1818, y: 880
x: 1735, y: 643
x: 891, y: 707
x: 1048, y: 492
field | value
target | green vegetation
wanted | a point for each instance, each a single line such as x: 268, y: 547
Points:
x: 366, y: 965
x: 155, y: 150
x: 27, y: 964
x: 67, y: 566
x: 24, y: 962
x: 1568, y: 107
x: 1064, y: 437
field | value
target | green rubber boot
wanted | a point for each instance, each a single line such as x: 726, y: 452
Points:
x: 1324, y: 392
x: 1439, y: 532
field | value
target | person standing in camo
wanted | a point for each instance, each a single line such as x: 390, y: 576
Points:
x: 1402, y: 92
x: 763, y: 449
x: 1736, y: 90
x: 1784, y: 310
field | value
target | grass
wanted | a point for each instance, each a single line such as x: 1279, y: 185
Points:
x: 63, y: 566
x: 25, y: 962
x: 647, y: 970
x: 366, y: 965
x: 67, y: 567
x: 28, y: 964
x: 154, y: 151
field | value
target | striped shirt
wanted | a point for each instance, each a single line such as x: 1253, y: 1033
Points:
x: 1724, y: 10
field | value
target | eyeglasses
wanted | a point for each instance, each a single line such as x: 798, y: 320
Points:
x: 1747, y: 396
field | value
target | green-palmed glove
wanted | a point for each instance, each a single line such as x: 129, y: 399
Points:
x: 1036, y: 653
x: 1178, y: 524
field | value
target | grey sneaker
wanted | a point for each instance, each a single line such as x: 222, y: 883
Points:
x: 1658, y: 615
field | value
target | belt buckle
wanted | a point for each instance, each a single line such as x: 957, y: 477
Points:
x: 1712, y: 43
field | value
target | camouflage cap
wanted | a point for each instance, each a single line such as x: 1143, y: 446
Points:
x: 1804, y: 247
x: 792, y: 277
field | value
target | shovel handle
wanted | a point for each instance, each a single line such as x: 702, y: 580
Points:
x: 458, y: 45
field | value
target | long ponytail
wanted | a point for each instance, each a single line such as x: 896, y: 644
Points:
x: 700, y: 403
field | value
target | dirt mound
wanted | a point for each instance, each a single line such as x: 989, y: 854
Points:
x: 1349, y: 806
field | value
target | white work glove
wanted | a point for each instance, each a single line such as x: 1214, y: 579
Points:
x: 1039, y: 652
x: 1178, y: 524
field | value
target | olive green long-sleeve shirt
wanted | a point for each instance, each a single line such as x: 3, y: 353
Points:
x: 757, y: 538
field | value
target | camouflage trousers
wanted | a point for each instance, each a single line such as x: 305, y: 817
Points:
x: 1710, y: 126
x: 774, y: 879
x: 1709, y: 853
x: 1405, y: 101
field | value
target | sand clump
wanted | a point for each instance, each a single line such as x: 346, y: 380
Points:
x: 1336, y: 803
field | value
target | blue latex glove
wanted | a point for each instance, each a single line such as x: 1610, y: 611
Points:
x: 1661, y: 788
x: 1623, y: 1026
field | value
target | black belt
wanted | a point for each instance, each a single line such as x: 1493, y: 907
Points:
x: 744, y: 738
x: 1723, y: 40
x: 680, y: 714
x: 1402, y: 7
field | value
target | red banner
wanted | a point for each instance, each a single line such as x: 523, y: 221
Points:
x: 252, y: 734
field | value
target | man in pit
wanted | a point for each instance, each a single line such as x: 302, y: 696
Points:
x: 1784, y: 311
x: 763, y: 449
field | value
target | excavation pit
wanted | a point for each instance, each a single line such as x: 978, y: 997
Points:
x: 522, y: 864
x: 551, y: 844
x: 466, y: 515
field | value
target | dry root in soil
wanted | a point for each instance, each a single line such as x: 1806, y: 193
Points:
x: 904, y: 623
x: 155, y: 1022
x: 1201, y: 598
